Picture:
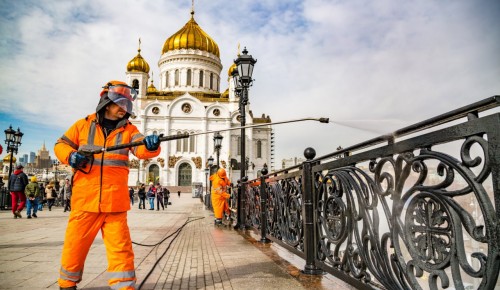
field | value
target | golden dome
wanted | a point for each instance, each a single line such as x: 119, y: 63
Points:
x: 231, y: 69
x: 191, y: 36
x: 7, y: 158
x: 225, y: 94
x: 138, y: 64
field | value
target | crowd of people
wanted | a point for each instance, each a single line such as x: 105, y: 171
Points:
x: 35, y: 195
x: 152, y: 193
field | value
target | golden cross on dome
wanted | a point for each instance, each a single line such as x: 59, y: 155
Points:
x: 139, y: 50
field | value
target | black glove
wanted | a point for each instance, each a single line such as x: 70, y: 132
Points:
x: 152, y: 142
x: 77, y: 160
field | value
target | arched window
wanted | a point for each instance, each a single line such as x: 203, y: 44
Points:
x: 179, y: 143
x: 201, y: 79
x: 211, y: 81
x: 135, y: 84
x: 259, y: 149
x: 167, y: 79
x: 188, y: 79
x: 176, y: 77
x: 185, y: 146
x: 191, y: 143
x: 185, y: 174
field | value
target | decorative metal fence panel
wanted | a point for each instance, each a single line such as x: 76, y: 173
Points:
x: 420, y: 212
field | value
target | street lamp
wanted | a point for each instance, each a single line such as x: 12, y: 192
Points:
x: 13, y: 141
x: 218, y: 145
x: 56, y: 163
x: 206, y: 180
x: 242, y: 78
x: 208, y: 202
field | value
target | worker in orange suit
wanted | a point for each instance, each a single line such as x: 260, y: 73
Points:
x: 219, y: 195
x: 100, y: 197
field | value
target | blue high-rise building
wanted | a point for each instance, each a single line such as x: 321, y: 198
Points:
x: 32, y: 157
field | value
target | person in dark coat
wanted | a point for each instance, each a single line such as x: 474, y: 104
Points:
x: 159, y: 197
x: 131, y: 195
x: 142, y: 196
x: 17, y: 183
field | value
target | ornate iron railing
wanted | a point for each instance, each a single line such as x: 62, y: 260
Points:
x: 415, y: 209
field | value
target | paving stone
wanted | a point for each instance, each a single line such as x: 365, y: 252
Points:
x: 200, y: 256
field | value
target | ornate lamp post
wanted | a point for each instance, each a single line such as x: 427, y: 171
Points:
x: 218, y: 145
x: 206, y: 180
x: 242, y: 77
x: 208, y: 200
x: 56, y: 163
x: 13, y: 141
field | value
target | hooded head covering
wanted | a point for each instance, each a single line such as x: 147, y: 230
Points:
x: 117, y: 92
x: 221, y: 173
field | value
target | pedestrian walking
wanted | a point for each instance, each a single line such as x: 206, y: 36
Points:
x: 159, y: 197
x: 68, y: 189
x: 42, y: 200
x: 151, y: 196
x: 166, y: 196
x: 50, y: 194
x: 179, y: 193
x: 17, y: 183
x: 99, y: 196
x: 142, y: 196
x: 32, y: 192
x: 131, y: 195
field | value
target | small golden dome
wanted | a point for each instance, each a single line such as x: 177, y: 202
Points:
x: 138, y: 64
x: 231, y: 69
x: 225, y: 94
x: 151, y: 89
x: 191, y: 36
x: 7, y: 158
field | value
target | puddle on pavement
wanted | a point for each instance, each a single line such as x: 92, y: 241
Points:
x: 293, y: 264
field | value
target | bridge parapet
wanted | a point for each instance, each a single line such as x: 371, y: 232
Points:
x: 415, y: 209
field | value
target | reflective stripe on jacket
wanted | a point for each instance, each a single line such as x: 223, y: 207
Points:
x: 105, y: 187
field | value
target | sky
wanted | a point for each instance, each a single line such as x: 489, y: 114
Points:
x: 370, y: 66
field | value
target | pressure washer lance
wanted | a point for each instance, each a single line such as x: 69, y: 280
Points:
x: 162, y: 138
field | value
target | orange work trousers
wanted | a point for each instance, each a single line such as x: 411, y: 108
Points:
x: 80, y: 234
x: 219, y: 204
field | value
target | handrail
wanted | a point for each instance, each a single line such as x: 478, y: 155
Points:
x: 456, y: 114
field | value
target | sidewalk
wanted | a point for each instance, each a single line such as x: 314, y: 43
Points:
x: 200, y: 256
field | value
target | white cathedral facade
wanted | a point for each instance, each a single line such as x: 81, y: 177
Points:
x: 188, y: 100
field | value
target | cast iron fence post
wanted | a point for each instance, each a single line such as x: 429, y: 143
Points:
x: 309, y: 214
x: 263, y: 207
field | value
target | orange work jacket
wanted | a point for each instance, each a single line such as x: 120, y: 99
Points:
x: 219, y: 186
x: 105, y: 187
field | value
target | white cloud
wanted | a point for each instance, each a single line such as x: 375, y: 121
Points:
x: 348, y: 60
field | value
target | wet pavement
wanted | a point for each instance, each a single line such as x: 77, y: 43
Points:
x: 175, y: 248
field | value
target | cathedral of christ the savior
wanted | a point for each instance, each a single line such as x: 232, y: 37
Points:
x: 188, y: 100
